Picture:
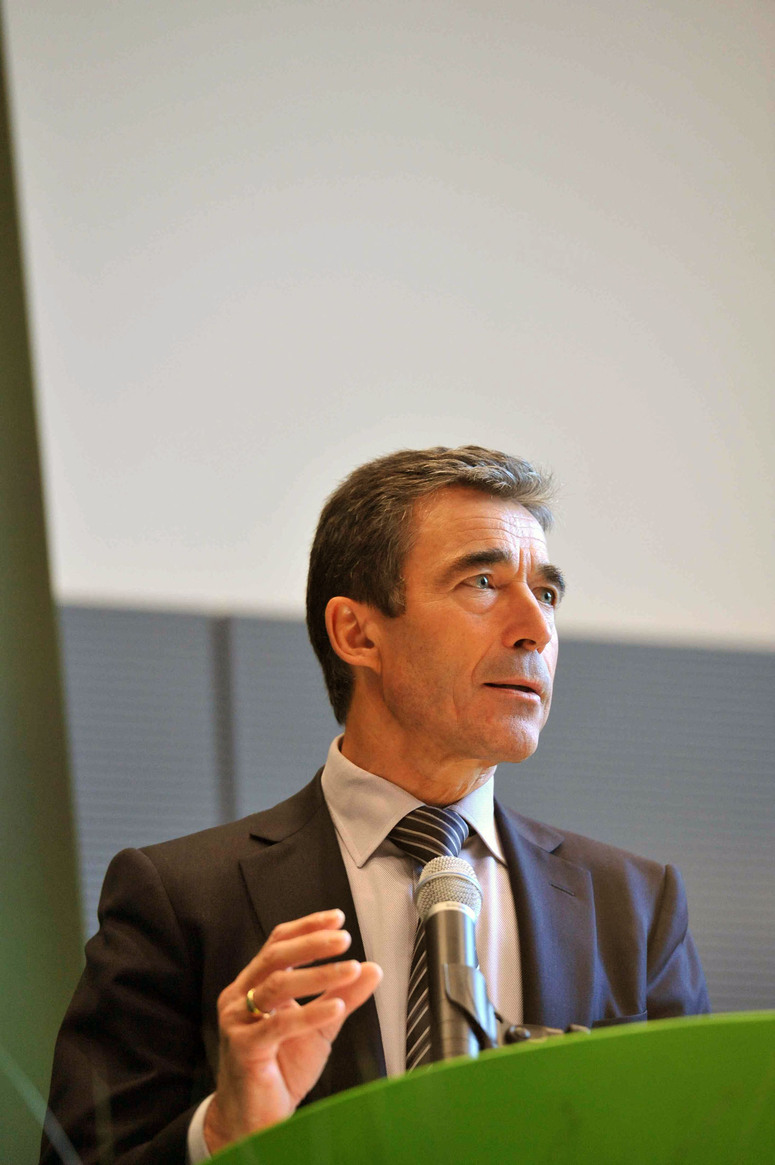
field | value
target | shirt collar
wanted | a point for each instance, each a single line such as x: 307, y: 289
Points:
x: 365, y: 807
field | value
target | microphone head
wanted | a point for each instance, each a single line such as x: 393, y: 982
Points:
x: 447, y: 880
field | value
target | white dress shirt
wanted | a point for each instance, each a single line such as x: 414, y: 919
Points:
x: 364, y: 808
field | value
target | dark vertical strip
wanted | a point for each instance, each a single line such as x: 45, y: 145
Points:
x: 223, y: 706
x: 39, y: 915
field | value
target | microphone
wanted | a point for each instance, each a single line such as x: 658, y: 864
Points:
x: 448, y: 898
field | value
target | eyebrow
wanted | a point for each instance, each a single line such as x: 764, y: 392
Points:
x: 494, y: 557
x: 552, y: 574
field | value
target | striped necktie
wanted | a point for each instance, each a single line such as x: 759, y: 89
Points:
x: 427, y: 832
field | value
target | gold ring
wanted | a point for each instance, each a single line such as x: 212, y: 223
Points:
x: 253, y: 1007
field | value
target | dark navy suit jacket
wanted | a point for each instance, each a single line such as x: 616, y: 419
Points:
x: 603, y: 938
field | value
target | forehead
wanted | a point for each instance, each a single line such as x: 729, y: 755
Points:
x: 457, y: 520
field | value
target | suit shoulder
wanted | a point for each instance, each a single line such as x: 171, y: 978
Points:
x: 228, y: 839
x: 620, y: 881
x: 581, y: 850
x: 599, y: 854
x: 217, y: 839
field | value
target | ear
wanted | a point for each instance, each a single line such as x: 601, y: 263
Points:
x: 348, y: 624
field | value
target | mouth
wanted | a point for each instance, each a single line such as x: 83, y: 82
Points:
x: 527, y: 689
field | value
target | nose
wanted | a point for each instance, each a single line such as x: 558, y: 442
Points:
x: 531, y: 624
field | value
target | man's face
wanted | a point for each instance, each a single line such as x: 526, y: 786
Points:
x: 466, y: 671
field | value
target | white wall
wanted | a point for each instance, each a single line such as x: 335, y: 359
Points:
x: 268, y: 240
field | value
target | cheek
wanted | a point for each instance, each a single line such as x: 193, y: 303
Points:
x: 551, y: 663
x: 551, y: 651
x: 550, y: 659
x: 406, y: 658
x: 424, y: 675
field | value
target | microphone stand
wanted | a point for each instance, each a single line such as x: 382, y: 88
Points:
x: 466, y: 990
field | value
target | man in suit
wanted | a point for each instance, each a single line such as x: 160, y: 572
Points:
x: 238, y: 973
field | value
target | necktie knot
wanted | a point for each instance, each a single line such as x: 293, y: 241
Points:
x: 430, y: 831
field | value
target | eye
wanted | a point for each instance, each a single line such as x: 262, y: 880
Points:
x: 547, y: 595
x: 481, y: 582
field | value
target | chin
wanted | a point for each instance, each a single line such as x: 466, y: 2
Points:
x: 512, y: 750
x: 517, y: 755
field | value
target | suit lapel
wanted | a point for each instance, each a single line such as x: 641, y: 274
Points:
x: 556, y: 922
x: 298, y: 869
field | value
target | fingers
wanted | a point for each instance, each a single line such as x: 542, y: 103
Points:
x: 325, y: 1014
x: 281, y: 986
x: 280, y: 973
x: 292, y: 944
x: 341, y: 999
x: 356, y: 990
x: 317, y: 1016
x: 322, y: 920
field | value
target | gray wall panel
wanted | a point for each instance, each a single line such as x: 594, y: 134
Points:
x: 283, y: 723
x: 142, y: 731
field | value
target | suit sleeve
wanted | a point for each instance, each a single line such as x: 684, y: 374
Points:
x: 129, y: 1066
x: 676, y: 983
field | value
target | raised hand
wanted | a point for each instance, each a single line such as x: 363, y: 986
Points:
x: 271, y: 1058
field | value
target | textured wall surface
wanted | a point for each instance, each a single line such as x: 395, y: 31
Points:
x: 665, y: 751
x: 141, y: 704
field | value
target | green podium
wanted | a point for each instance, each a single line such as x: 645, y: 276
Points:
x: 678, y: 1090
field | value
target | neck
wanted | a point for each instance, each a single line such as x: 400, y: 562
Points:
x: 433, y: 779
